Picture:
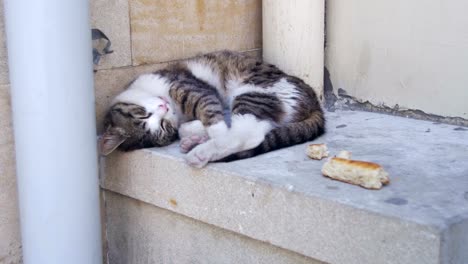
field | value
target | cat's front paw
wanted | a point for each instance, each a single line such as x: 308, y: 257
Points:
x: 188, y: 143
x: 200, y: 155
x: 196, y: 159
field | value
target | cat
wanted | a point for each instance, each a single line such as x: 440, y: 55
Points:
x: 268, y: 109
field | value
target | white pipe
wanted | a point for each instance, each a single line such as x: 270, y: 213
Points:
x: 50, y: 65
x: 293, y: 38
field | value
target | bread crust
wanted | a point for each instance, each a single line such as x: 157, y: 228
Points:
x: 365, y: 174
x: 357, y: 163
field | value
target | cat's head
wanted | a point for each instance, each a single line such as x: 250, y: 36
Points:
x: 137, y: 120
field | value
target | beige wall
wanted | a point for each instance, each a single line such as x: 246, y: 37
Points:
x: 293, y: 36
x: 144, y: 35
x: 167, y: 30
x: 410, y: 53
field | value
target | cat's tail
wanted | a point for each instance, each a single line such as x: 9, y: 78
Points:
x: 285, y: 136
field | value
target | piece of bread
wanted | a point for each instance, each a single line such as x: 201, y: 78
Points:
x: 366, y: 174
x: 317, y: 151
x: 344, y: 154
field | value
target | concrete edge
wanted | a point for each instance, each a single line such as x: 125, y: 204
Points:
x: 455, y: 238
x: 110, y: 195
x: 317, y: 228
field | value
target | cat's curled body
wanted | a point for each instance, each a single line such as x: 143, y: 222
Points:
x: 268, y: 109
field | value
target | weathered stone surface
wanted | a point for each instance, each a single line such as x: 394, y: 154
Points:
x: 456, y: 240
x: 3, y: 51
x: 281, y: 197
x: 6, y: 126
x: 10, y: 240
x: 103, y: 206
x: 112, y: 18
x: 142, y: 233
x: 169, y: 30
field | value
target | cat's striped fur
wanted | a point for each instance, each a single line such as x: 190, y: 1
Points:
x: 269, y: 109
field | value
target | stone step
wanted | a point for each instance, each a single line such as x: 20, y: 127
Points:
x: 282, y: 199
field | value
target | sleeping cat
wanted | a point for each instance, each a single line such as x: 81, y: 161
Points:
x: 268, y: 109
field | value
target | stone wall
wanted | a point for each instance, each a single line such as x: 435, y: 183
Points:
x: 143, y: 233
x: 10, y: 241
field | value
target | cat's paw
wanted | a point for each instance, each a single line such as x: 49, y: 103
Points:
x: 188, y: 143
x: 197, y: 159
x: 200, y: 155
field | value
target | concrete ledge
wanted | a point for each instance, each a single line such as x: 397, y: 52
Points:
x: 282, y: 199
x: 141, y: 233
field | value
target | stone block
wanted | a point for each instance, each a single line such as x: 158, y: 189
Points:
x: 6, y: 125
x: 142, y: 233
x: 10, y: 242
x: 112, y: 18
x: 168, y: 30
x: 3, y: 51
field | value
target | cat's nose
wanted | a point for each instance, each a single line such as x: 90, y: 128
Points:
x: 163, y: 107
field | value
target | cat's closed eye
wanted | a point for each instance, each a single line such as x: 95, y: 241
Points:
x: 146, y: 116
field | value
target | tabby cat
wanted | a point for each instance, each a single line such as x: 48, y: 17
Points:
x: 266, y: 109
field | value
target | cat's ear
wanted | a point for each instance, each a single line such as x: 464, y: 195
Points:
x: 111, y: 139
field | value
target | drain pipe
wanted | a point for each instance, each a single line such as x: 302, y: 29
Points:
x: 50, y: 65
